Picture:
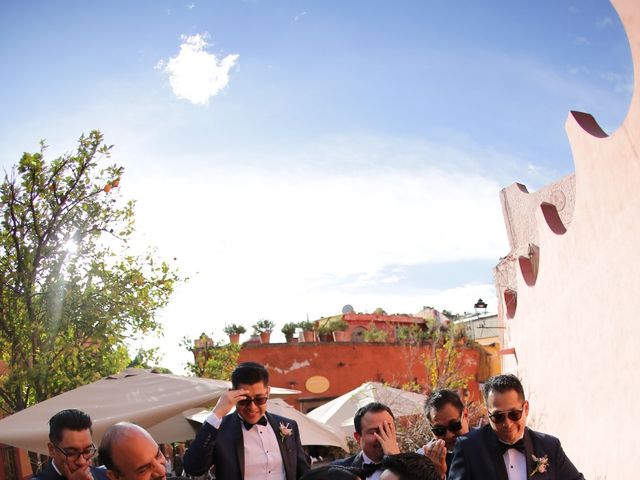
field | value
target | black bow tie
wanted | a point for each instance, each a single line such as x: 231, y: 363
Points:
x: 370, y: 468
x: 247, y: 425
x: 519, y: 446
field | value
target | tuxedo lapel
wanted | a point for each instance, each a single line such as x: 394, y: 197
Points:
x: 496, y: 454
x: 528, y: 451
x: 282, y: 445
x: 357, y: 462
x: 238, y: 441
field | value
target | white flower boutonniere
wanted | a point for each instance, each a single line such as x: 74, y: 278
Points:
x: 542, y: 463
x: 285, y: 431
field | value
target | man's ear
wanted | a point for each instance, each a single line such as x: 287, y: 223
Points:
x: 357, y: 436
x: 51, y: 449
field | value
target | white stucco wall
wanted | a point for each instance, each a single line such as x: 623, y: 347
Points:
x: 575, y: 330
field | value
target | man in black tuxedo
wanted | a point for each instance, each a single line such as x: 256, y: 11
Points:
x: 375, y: 431
x: 251, y: 443
x: 448, y: 419
x: 70, y: 449
x: 506, y: 449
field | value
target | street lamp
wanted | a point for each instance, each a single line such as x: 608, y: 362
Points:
x: 480, y: 307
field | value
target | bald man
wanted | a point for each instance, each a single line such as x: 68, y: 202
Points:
x: 129, y: 452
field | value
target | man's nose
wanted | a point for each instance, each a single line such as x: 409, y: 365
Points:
x: 81, y: 461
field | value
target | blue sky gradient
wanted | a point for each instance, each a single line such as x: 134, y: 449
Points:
x: 354, y: 154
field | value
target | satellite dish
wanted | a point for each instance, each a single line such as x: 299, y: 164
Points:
x: 348, y: 309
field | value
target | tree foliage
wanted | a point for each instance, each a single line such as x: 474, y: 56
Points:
x: 71, y: 290
x: 211, y: 359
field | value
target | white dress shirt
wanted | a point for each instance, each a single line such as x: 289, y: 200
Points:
x: 516, y: 464
x: 262, y: 458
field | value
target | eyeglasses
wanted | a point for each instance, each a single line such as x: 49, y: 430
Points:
x: 74, y: 455
x: 257, y: 400
x: 453, y: 427
x: 499, y: 417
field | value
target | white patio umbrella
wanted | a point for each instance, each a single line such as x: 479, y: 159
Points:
x: 340, y: 411
x: 312, y: 432
x: 134, y: 395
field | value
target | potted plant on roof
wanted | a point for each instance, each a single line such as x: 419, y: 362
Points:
x: 308, y: 330
x: 234, y: 331
x: 339, y: 329
x: 375, y: 334
x: 263, y: 327
x: 324, y: 330
x: 289, y: 329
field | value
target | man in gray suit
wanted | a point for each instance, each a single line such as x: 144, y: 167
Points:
x: 250, y: 443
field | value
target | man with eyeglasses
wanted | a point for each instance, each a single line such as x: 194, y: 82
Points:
x: 448, y: 419
x: 70, y: 449
x: 251, y: 443
x: 506, y: 449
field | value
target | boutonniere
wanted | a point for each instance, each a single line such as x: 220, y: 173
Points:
x: 285, y: 431
x: 542, y: 463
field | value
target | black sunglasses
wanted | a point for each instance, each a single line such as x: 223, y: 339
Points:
x: 499, y: 417
x: 74, y: 455
x: 440, y: 431
x: 257, y: 400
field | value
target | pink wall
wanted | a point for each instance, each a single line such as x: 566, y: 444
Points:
x: 575, y: 325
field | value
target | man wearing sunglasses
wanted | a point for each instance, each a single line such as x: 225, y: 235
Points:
x: 70, y: 449
x: 506, y: 449
x: 448, y: 419
x: 250, y: 443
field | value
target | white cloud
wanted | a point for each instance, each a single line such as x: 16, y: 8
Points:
x: 195, y: 74
x: 299, y: 16
x: 581, y: 41
x: 191, y: 6
x: 605, y: 22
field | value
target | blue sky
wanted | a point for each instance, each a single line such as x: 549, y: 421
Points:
x: 296, y: 156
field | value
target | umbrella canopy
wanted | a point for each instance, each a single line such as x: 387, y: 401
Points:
x: 134, y: 395
x: 312, y: 432
x: 340, y: 411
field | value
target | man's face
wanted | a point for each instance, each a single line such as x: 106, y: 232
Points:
x: 371, y: 422
x: 445, y: 417
x: 137, y: 457
x: 507, y: 430
x: 252, y: 412
x: 72, y: 442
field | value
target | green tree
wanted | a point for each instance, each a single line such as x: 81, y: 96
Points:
x: 211, y: 359
x: 71, y: 290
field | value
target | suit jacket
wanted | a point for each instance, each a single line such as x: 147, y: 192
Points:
x: 224, y: 448
x: 477, y: 456
x: 352, y: 461
x: 50, y: 473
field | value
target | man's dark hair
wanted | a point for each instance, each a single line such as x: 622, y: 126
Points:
x: 333, y: 472
x: 70, y: 419
x: 439, y: 399
x: 503, y: 383
x: 248, y: 373
x: 411, y: 466
x: 373, y: 407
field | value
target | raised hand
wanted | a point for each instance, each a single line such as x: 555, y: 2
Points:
x: 436, y: 450
x: 82, y: 473
x: 386, y: 436
x: 228, y: 400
